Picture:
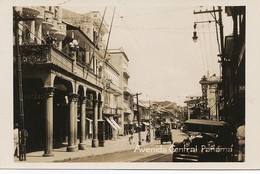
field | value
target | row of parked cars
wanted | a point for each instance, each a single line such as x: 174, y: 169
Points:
x: 207, y: 141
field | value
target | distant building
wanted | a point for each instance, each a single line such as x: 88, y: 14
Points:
x: 120, y: 60
x: 193, y: 106
x: 210, y: 99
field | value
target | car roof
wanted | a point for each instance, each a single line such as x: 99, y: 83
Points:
x: 205, y: 122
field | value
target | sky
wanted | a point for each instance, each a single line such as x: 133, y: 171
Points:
x: 164, y: 62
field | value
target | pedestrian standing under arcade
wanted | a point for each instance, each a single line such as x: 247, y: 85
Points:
x: 16, y: 140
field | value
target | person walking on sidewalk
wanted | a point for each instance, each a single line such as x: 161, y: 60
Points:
x: 16, y: 140
x: 131, y: 138
x: 148, y: 137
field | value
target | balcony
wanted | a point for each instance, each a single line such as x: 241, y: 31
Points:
x: 40, y: 18
x: 48, y: 55
x: 61, y: 31
x: 126, y: 73
x: 54, y: 28
x: 47, y: 24
x: 127, y: 91
x: 31, y: 11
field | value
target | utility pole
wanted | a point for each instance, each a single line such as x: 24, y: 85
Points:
x: 109, y: 33
x: 150, y: 121
x: 138, y: 118
x: 222, y: 51
x: 21, y: 133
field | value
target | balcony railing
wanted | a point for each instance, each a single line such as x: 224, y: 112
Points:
x: 61, y: 31
x: 31, y: 11
x: 40, y: 18
x: 48, y: 20
x: 47, y: 54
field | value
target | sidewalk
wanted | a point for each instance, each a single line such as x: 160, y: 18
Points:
x: 111, y: 146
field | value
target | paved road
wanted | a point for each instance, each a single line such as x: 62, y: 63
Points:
x: 153, y: 152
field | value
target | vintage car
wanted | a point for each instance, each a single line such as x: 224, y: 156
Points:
x: 166, y: 135
x: 207, y: 141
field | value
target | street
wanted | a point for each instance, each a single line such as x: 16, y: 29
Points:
x: 154, y: 152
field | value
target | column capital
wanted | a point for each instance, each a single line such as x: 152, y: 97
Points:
x: 73, y: 97
x: 48, y: 91
x: 83, y: 99
x: 95, y: 101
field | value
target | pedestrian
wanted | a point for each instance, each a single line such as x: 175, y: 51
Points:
x: 16, y: 140
x: 131, y: 138
x: 241, y: 142
x: 148, y: 137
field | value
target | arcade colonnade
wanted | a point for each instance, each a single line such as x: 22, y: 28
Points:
x: 77, y: 95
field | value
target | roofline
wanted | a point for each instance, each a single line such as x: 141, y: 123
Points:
x: 122, y: 53
x: 111, y: 66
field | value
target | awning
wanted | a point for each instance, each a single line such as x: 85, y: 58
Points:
x: 110, y: 122
x: 113, y: 121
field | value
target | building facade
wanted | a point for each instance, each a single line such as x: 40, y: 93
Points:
x: 233, y: 70
x: 66, y: 81
x: 120, y: 61
x: 193, y: 106
x: 210, y: 99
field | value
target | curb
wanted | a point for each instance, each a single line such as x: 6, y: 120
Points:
x: 76, y: 158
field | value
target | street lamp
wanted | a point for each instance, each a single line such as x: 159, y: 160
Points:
x: 195, y: 37
x: 74, y: 46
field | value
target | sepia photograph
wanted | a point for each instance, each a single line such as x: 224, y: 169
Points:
x: 114, y: 83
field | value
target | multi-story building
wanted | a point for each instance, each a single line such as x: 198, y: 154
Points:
x: 120, y: 61
x: 193, y: 107
x: 233, y: 70
x: 210, y: 99
x: 144, y: 113
x: 112, y: 92
x: 62, y: 78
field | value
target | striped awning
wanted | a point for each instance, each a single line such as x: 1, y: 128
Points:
x: 110, y: 122
x: 113, y: 121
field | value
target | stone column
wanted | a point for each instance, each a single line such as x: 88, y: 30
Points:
x: 48, y: 122
x: 32, y: 30
x: 101, y: 125
x: 82, y: 144
x: 76, y: 122
x: 95, y: 123
x: 71, y: 145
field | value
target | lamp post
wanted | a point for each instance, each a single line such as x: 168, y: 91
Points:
x: 74, y: 46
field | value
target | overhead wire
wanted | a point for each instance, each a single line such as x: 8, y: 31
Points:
x: 202, y: 55
x: 205, y: 47
x: 150, y: 13
x: 211, y: 49
x: 217, y: 30
x: 129, y: 29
